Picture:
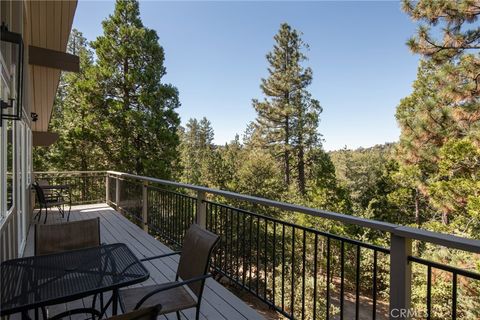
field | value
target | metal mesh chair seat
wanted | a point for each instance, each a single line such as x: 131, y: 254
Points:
x: 54, y: 202
x: 193, y: 267
x: 171, y: 300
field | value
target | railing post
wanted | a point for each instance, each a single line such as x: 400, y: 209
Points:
x: 107, y: 189
x: 201, y: 218
x: 145, y: 206
x: 117, y: 192
x: 400, y: 277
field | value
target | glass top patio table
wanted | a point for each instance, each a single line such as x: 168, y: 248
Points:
x: 37, y: 281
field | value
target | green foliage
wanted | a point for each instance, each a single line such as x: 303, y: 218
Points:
x: 324, y: 191
x: 118, y: 114
x: 196, y: 151
x: 438, y: 150
x: 287, y: 121
x: 73, y: 118
x: 369, y: 175
x: 455, y: 189
x: 258, y: 175
x: 135, y: 109
x: 115, y: 113
x: 458, y: 20
x: 443, y: 109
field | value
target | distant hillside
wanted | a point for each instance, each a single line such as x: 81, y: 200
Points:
x: 362, y: 160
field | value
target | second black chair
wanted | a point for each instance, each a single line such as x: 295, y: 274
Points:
x: 48, y: 202
x: 187, y: 289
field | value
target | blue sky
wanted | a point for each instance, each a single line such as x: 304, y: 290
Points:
x: 215, y: 56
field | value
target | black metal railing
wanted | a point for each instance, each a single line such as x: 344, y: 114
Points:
x: 304, y: 272
x: 292, y: 268
x: 112, y: 189
x: 170, y: 214
x: 469, y: 286
x: 131, y: 199
x: 85, y: 187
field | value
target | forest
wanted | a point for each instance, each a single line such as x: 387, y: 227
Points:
x: 118, y: 114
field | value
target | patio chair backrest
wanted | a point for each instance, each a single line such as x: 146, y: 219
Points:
x: 43, y: 182
x: 197, y: 248
x: 53, y: 238
x: 39, y: 192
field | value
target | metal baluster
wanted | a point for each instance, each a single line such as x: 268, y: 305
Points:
x: 244, y: 258
x: 357, y: 285
x: 454, y: 297
x: 292, y: 293
x: 303, y: 273
x: 315, y: 271
x: 429, y: 292
x: 374, y: 294
x: 238, y: 247
x: 274, y: 258
x: 283, y: 267
x: 328, y: 281
x: 342, y: 278
x: 258, y: 256
x: 232, y: 272
x: 266, y: 260
x: 250, y: 249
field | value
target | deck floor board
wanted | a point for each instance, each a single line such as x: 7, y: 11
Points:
x: 218, y: 302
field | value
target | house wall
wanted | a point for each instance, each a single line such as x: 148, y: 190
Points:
x: 44, y: 24
x: 15, y: 143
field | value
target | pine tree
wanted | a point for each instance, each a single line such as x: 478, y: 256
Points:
x: 444, y: 106
x: 136, y: 111
x: 456, y: 52
x: 458, y: 20
x: 425, y: 118
x: 196, y: 152
x: 287, y: 119
x: 72, y: 116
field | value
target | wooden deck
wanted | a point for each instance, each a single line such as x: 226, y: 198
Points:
x: 218, y: 302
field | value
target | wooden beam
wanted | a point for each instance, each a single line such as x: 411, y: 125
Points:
x: 43, y: 139
x: 53, y: 59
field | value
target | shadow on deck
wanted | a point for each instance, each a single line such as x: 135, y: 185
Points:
x: 218, y: 302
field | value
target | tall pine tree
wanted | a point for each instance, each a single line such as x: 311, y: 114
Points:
x: 287, y: 119
x: 196, y: 151
x: 136, y: 111
x: 442, y: 115
x: 73, y: 117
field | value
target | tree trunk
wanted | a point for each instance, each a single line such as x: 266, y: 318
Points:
x: 417, y: 208
x: 287, y: 152
x: 301, y: 170
x: 445, y: 218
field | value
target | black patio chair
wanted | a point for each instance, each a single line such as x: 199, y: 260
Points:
x: 50, y: 194
x: 66, y: 236
x: 187, y: 289
x: 45, y: 202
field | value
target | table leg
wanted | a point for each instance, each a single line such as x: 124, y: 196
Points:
x: 25, y: 315
x: 114, y: 302
x: 69, y: 203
